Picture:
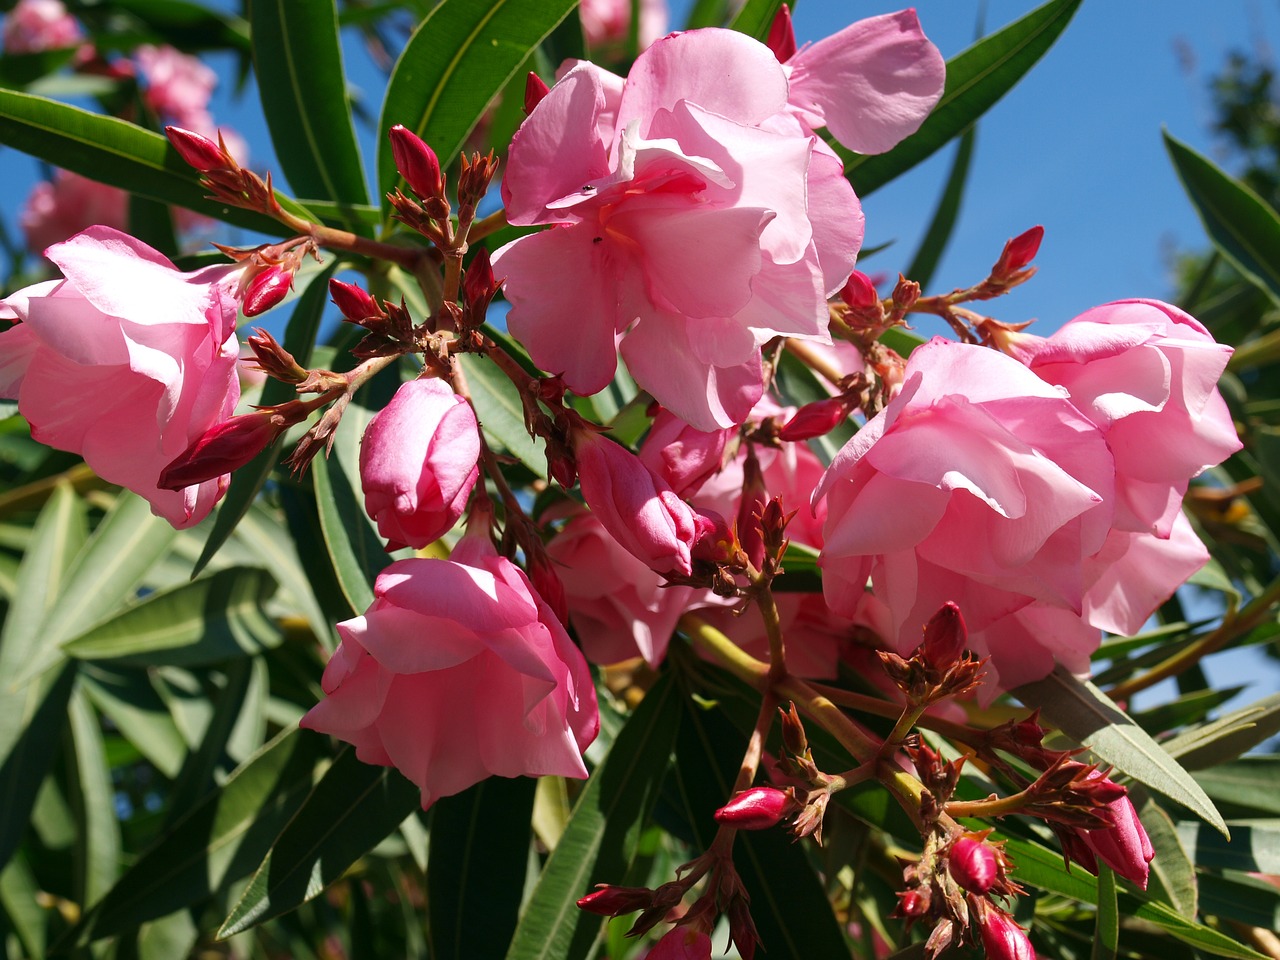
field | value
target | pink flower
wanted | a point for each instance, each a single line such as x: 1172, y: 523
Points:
x: 418, y: 463
x: 635, y: 505
x: 458, y: 672
x: 682, y: 455
x: 178, y: 86
x: 979, y: 484
x: 619, y: 608
x: 1124, y: 846
x: 608, y: 22
x: 35, y: 25
x: 67, y: 204
x: 682, y: 943
x: 688, y: 231
x: 126, y: 362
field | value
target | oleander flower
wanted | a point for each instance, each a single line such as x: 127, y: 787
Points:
x: 68, y: 203
x: 35, y: 25
x: 459, y: 671
x: 126, y: 362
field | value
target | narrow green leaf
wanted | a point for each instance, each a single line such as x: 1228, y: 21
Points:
x: 707, y: 13
x: 298, y: 59
x: 1106, y: 934
x: 299, y: 339
x: 1089, y: 716
x: 1172, y: 871
x: 934, y: 244
x: 756, y: 17
x: 1242, y: 898
x: 210, y: 620
x: 460, y: 57
x: 1240, y: 223
x: 17, y: 70
x: 98, y: 846
x: 19, y: 894
x: 350, y: 811
x: 218, y: 840
x: 355, y: 551
x: 189, y: 26
x: 976, y: 80
x: 602, y: 835
x: 500, y: 413
x: 1254, y: 845
x: 1250, y: 785
x: 118, y: 153
x: 1227, y: 737
x: 477, y: 867
x: 129, y: 701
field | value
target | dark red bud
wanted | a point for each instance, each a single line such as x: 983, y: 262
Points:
x: 1003, y: 939
x: 1019, y: 251
x: 224, y: 447
x: 782, y: 36
x: 945, y: 637
x: 973, y: 865
x: 416, y: 162
x: 609, y: 901
x: 535, y: 88
x: 859, y: 292
x: 266, y: 289
x: 756, y: 809
x: 814, y: 420
x: 912, y: 904
x: 478, y: 287
x: 200, y: 152
x: 355, y: 303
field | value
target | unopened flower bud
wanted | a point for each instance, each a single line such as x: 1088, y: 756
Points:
x: 793, y: 735
x: 859, y: 293
x: 356, y: 304
x: 535, y: 88
x: 273, y: 359
x: 682, y: 943
x: 742, y: 927
x: 200, y: 152
x: 905, y: 294
x: 1123, y: 846
x: 912, y: 903
x: 478, y: 287
x: 945, y: 637
x: 224, y: 447
x: 1018, y: 252
x: 610, y: 901
x: 416, y: 162
x: 814, y: 419
x: 758, y: 808
x: 1003, y: 939
x: 782, y: 35
x: 973, y: 864
x: 267, y: 288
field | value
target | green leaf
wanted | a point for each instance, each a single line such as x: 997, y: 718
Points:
x: 351, y: 810
x: 354, y: 549
x: 601, y: 838
x: 1250, y: 785
x: 976, y: 80
x: 926, y: 260
x: 460, y: 57
x: 500, y: 413
x: 477, y: 867
x: 118, y: 153
x: 756, y: 17
x: 1227, y: 737
x: 17, y: 70
x: 219, y: 839
x: 1106, y: 935
x: 1172, y: 871
x: 210, y: 620
x: 1254, y: 845
x: 130, y: 702
x: 299, y: 339
x: 298, y: 59
x: 98, y: 845
x: 1089, y: 716
x: 19, y: 898
x: 189, y: 26
x: 1240, y: 223
x: 1240, y: 897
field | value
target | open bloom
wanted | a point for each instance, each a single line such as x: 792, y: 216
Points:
x: 35, y: 25
x: 68, y: 203
x: 686, y: 231
x: 418, y: 463
x: 457, y: 672
x: 126, y: 362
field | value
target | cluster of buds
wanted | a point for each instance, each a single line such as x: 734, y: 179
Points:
x: 811, y: 789
x: 1013, y: 266
x: 225, y: 179
x: 940, y: 667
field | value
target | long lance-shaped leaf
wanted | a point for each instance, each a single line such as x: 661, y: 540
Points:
x: 926, y: 260
x: 303, y: 87
x: 1239, y: 222
x: 98, y: 843
x: 976, y: 79
x: 1254, y: 845
x: 189, y: 26
x: 350, y: 811
x: 756, y: 17
x: 460, y: 57
x: 118, y: 153
x: 601, y: 836
x: 477, y: 867
x: 1091, y: 718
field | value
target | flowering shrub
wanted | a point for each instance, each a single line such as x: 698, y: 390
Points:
x: 743, y: 555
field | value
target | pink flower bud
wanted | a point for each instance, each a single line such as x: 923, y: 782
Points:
x: 1018, y: 252
x: 635, y: 505
x: 1124, y: 846
x: 355, y: 303
x: 859, y: 292
x: 267, y: 288
x: 782, y: 35
x: 416, y: 162
x: 682, y: 943
x: 535, y: 88
x: 418, y: 463
x: 814, y: 419
x: 756, y: 809
x: 973, y: 865
x: 478, y: 286
x: 222, y: 448
x: 1003, y: 939
x: 945, y: 637
x: 200, y: 152
x: 610, y: 901
x: 911, y: 903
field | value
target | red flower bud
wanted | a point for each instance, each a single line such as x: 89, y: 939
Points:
x: 267, y: 288
x: 911, y: 903
x: 1018, y: 252
x: 945, y: 637
x: 224, y: 447
x: 814, y: 420
x: 1003, y: 939
x: 478, y: 286
x: 416, y: 162
x: 859, y: 292
x: 535, y: 88
x: 756, y: 809
x: 782, y: 36
x: 200, y: 152
x: 355, y: 303
x: 973, y: 865
x: 610, y: 901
